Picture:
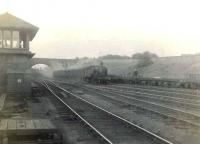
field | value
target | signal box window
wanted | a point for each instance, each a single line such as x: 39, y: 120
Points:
x: 6, y: 39
x: 1, y: 45
x: 15, y: 38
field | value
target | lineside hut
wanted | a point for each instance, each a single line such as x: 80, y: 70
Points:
x: 26, y: 131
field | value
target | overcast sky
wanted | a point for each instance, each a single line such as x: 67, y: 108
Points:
x: 78, y: 28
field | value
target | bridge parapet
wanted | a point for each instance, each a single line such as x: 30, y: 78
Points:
x: 54, y: 64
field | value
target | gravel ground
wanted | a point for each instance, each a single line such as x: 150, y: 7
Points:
x: 73, y: 132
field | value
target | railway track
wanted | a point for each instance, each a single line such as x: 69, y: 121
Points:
x: 160, y: 95
x: 192, y: 94
x: 170, y: 89
x: 189, y: 106
x: 87, y: 132
x: 185, y: 120
x: 181, y: 115
x: 112, y: 127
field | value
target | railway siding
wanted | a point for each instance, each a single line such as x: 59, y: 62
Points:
x: 145, y: 132
x: 65, y: 110
x: 190, y: 106
x: 181, y: 115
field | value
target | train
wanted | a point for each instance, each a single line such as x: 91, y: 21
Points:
x: 98, y: 74
x: 164, y: 82
x: 91, y: 74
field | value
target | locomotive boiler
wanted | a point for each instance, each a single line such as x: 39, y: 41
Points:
x: 91, y: 74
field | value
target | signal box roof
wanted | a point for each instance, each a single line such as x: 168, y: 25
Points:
x: 8, y: 21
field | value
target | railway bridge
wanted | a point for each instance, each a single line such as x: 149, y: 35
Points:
x: 54, y: 64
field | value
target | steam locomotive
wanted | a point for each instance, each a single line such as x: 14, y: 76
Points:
x: 99, y: 74
x: 91, y: 74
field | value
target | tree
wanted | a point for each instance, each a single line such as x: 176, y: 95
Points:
x: 144, y: 59
x: 110, y: 56
x: 144, y: 62
x: 144, y: 55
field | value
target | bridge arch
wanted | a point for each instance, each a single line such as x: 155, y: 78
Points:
x: 55, y: 64
x: 35, y: 62
x: 42, y: 70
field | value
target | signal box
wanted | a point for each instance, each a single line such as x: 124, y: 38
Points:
x: 15, y: 35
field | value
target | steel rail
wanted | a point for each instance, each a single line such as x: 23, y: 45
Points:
x: 158, y: 105
x: 173, y: 89
x: 157, y: 112
x: 181, y: 111
x: 130, y: 123
x: 87, y: 123
x: 180, y: 93
x: 154, y: 96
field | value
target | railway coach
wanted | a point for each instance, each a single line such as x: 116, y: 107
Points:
x: 92, y: 74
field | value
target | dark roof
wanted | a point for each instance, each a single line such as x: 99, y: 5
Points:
x: 9, y: 21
